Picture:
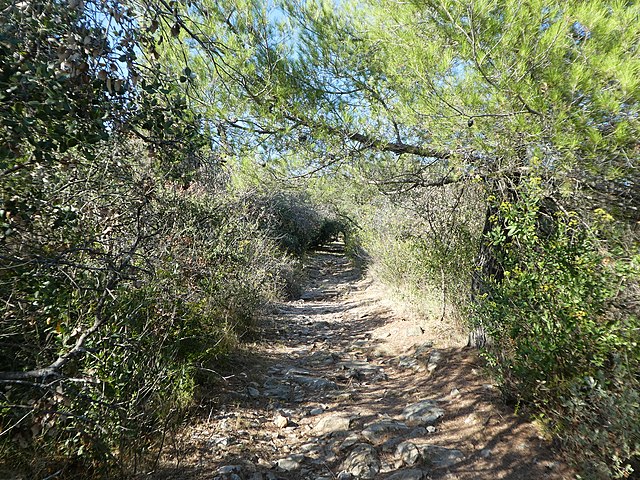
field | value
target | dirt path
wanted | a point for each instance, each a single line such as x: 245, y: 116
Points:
x: 341, y: 388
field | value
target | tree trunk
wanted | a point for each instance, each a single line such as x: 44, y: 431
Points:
x: 488, y: 270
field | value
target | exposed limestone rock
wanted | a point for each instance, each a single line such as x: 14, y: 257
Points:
x: 441, y: 457
x: 422, y: 413
x: 380, y: 431
x: 411, y: 474
x: 434, y: 360
x: 280, y: 420
x: 362, y: 462
x: 408, y: 453
x: 290, y: 463
x: 332, y: 424
x: 314, y: 383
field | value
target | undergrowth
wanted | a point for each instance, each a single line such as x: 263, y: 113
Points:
x: 134, y: 283
x: 565, y: 327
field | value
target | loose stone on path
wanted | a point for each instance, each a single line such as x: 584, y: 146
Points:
x: 362, y: 462
x: 328, y: 404
x: 410, y: 474
x: 441, y: 457
x: 383, y: 430
x: 332, y: 424
x: 422, y: 413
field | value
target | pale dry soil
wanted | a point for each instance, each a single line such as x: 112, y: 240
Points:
x: 341, y: 387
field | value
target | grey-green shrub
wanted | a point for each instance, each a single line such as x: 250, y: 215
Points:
x: 423, y: 247
x: 170, y: 274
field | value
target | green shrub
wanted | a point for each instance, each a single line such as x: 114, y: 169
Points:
x: 162, y: 277
x: 292, y: 219
x: 564, y: 329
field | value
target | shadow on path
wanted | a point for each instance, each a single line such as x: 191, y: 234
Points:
x: 315, y: 399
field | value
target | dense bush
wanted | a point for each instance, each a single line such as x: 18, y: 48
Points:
x: 118, y: 285
x: 291, y: 217
x: 288, y: 216
x: 126, y: 266
x: 564, y: 320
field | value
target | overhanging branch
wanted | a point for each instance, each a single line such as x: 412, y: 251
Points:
x: 397, y: 147
x: 368, y: 141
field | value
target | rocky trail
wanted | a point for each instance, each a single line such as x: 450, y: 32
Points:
x: 341, y: 387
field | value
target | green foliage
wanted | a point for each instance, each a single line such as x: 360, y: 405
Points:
x: 294, y: 213
x: 163, y: 281
x: 290, y: 218
x: 123, y: 275
x: 422, y: 246
x: 565, y: 337
x: 50, y: 102
x: 73, y: 74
